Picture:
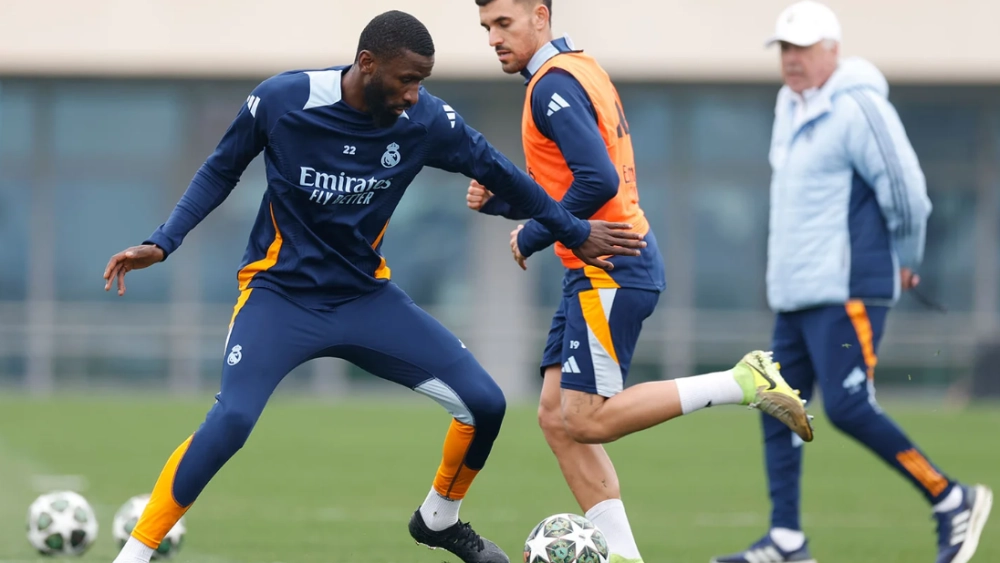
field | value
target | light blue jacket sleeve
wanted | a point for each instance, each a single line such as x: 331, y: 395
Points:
x: 882, y: 155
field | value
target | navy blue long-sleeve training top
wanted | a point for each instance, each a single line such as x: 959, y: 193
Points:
x: 334, y: 180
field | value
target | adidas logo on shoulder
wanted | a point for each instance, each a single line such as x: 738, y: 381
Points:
x: 556, y: 103
x: 451, y: 114
x: 252, y: 102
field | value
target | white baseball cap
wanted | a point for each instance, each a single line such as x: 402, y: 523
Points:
x: 806, y: 23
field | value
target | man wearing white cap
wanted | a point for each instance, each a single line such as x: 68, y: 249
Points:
x: 848, y: 219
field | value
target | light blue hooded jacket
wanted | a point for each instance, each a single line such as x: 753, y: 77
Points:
x: 849, y: 202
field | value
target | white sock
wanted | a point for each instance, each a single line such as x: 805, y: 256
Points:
x: 439, y: 512
x: 708, y: 390
x: 609, y: 517
x: 950, y: 502
x: 134, y: 551
x: 788, y: 540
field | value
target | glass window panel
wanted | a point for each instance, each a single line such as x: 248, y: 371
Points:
x: 15, y: 213
x: 16, y: 121
x: 941, y: 131
x: 730, y: 225
x: 731, y: 125
x: 115, y: 119
x: 16, y: 138
x: 97, y: 217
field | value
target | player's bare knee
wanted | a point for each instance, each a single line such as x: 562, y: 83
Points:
x: 550, y: 418
x: 585, y: 428
x: 551, y: 422
x: 550, y: 407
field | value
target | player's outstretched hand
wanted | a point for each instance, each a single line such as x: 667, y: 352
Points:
x: 134, y: 258
x: 608, y: 239
x: 478, y: 196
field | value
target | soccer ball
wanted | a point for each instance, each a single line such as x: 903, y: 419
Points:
x: 128, y: 516
x: 61, y: 523
x: 566, y: 538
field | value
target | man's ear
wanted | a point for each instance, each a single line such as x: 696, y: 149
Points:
x: 366, y: 62
x: 541, y: 16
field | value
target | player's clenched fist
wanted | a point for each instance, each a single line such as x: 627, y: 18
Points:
x: 478, y: 196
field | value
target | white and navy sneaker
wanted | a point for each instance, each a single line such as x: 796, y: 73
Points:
x: 766, y: 551
x: 959, y: 530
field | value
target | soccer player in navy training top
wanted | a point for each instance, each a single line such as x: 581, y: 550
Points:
x: 340, y: 147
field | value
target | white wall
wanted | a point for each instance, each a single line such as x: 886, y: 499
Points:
x: 674, y: 39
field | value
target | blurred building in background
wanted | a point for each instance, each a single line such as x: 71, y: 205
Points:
x: 107, y: 108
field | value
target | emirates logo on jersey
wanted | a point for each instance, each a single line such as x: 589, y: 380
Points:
x: 337, y: 189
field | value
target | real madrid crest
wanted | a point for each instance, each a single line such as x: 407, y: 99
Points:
x: 235, y: 355
x: 391, y: 156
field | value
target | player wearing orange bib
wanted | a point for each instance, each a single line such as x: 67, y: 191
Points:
x: 578, y: 147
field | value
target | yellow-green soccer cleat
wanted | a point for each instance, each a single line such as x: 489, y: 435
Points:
x: 765, y: 389
x: 615, y: 558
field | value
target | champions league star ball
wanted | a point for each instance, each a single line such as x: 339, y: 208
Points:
x: 128, y: 516
x: 61, y: 523
x: 566, y: 538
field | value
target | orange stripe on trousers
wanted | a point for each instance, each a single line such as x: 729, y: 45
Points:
x: 162, y: 512
x: 922, y: 470
x: 863, y: 327
x: 453, y: 476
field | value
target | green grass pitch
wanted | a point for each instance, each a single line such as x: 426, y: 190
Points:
x: 337, y: 482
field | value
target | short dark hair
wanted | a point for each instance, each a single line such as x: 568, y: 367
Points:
x: 393, y: 32
x: 546, y: 3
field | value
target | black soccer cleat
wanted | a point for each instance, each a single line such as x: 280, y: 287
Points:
x: 460, y: 539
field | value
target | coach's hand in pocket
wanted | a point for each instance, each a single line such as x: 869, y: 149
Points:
x: 134, y: 258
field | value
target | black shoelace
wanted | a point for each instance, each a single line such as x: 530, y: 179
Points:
x: 462, y: 534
